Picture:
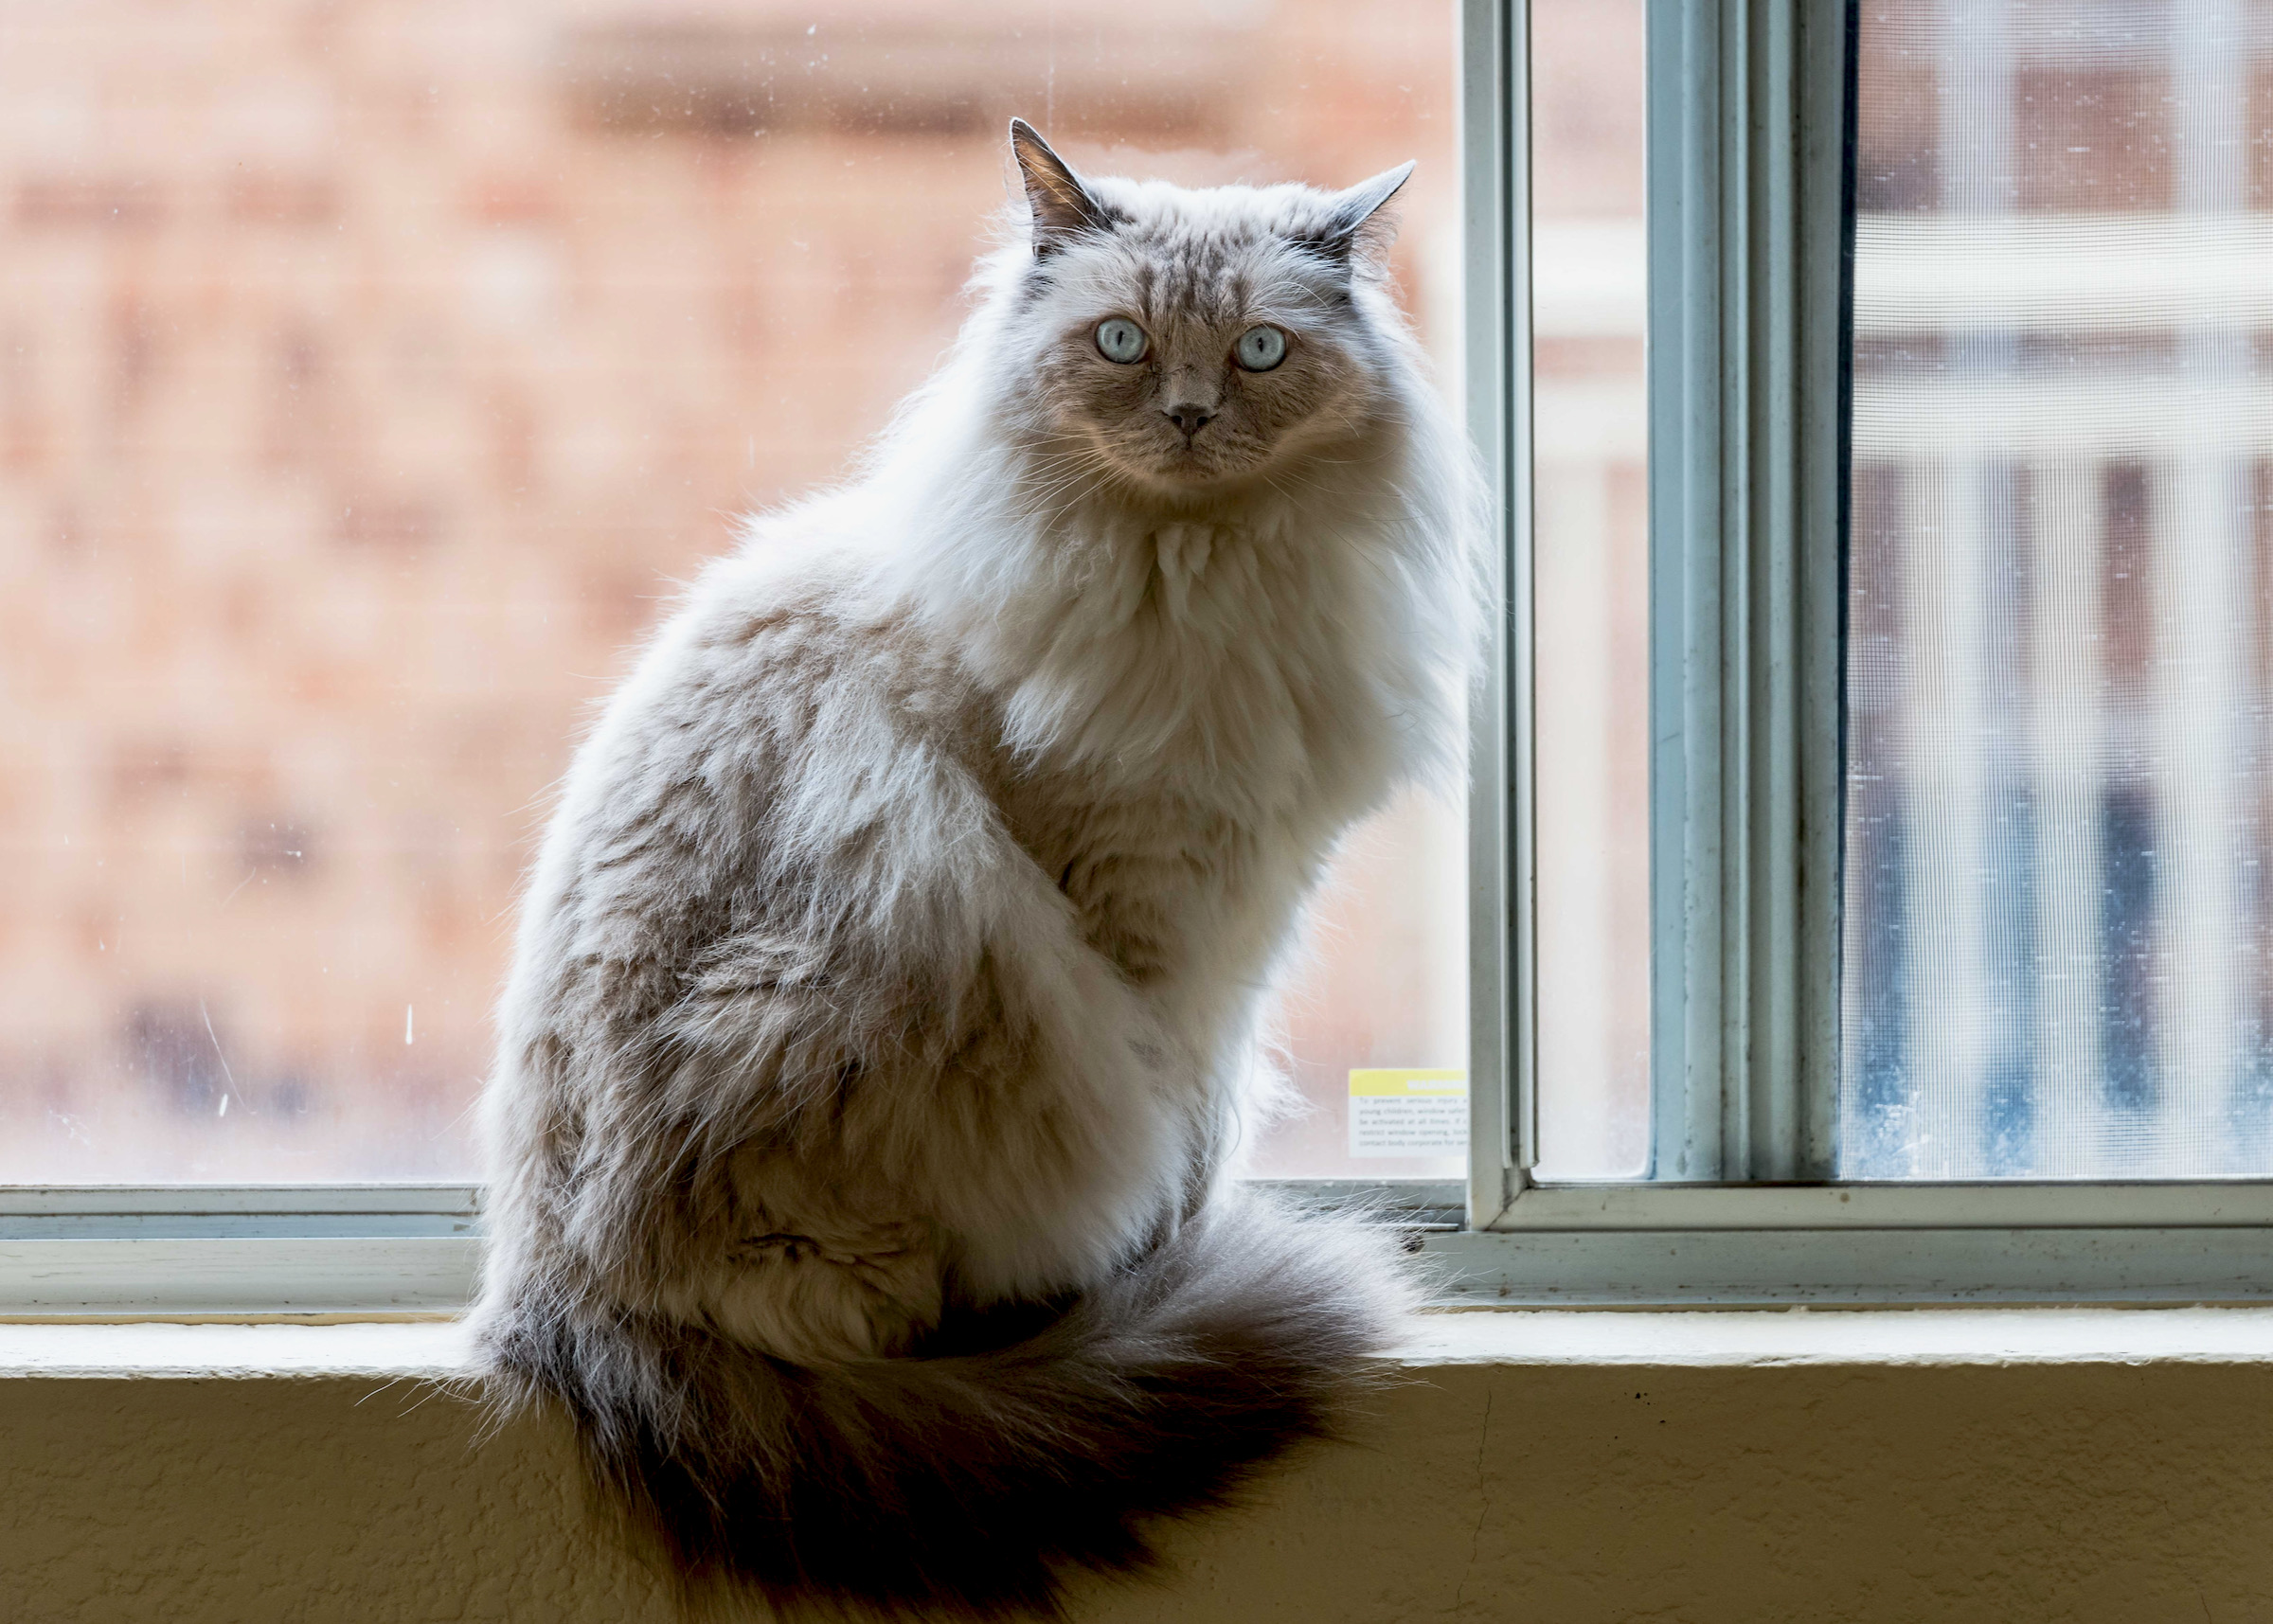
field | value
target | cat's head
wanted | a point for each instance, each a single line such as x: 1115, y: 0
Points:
x: 1184, y: 340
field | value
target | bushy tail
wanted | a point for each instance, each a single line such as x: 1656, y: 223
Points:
x: 967, y: 1483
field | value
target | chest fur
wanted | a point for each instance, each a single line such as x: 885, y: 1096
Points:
x: 1187, y: 743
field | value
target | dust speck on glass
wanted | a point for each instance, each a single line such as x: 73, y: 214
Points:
x: 367, y: 377
x: 2060, y: 669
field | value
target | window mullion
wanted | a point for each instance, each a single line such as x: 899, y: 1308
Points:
x: 1746, y: 312
x: 1494, y: 90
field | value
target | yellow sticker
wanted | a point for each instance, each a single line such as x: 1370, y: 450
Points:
x: 1408, y: 1111
x: 1405, y: 1081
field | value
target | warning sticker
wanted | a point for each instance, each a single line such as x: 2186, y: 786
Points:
x: 1405, y: 1111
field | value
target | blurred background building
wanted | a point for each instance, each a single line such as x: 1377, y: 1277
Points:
x: 371, y: 372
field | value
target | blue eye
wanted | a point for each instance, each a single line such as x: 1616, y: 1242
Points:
x: 1260, y: 348
x: 1119, y: 339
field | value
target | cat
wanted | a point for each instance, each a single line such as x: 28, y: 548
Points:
x: 884, y: 1017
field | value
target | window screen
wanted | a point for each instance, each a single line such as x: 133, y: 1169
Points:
x: 2060, y: 615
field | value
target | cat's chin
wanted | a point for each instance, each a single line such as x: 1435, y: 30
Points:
x: 1175, y: 474
x: 1181, y: 476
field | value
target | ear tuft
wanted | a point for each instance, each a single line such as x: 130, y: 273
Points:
x: 1063, y: 206
x: 1356, y: 230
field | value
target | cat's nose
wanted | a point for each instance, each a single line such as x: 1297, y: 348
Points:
x: 1189, y: 417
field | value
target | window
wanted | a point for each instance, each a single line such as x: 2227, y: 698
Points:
x: 371, y: 378
x: 367, y: 382
x: 2057, y: 782
x: 1863, y: 873
x: 1954, y: 655
x: 1590, y: 527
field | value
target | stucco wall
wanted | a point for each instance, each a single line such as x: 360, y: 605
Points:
x: 1568, y: 1491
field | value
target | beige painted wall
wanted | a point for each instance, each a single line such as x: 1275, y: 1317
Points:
x: 1570, y: 1493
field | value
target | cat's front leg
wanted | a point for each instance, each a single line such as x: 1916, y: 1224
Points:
x: 809, y: 1162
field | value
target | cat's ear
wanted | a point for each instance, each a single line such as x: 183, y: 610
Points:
x: 1063, y: 206
x: 1355, y: 229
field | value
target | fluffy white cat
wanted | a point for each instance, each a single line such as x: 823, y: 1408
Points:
x: 887, y: 984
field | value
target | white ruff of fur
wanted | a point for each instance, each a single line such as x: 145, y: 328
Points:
x: 885, y: 1007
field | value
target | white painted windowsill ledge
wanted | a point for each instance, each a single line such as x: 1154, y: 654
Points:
x: 438, y: 1350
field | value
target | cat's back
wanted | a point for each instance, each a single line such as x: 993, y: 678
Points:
x: 775, y: 664
x: 783, y: 744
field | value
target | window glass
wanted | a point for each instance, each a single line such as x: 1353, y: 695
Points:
x: 1591, y: 585
x: 2060, y: 627
x: 370, y: 374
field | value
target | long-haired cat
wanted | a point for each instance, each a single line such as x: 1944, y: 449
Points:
x: 887, y: 995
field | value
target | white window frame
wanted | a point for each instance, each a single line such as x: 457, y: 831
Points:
x: 1747, y: 328
x: 230, y: 1252
x: 1749, y: 314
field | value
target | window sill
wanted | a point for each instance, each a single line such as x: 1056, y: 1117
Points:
x: 438, y: 1350
x: 1588, y: 1467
